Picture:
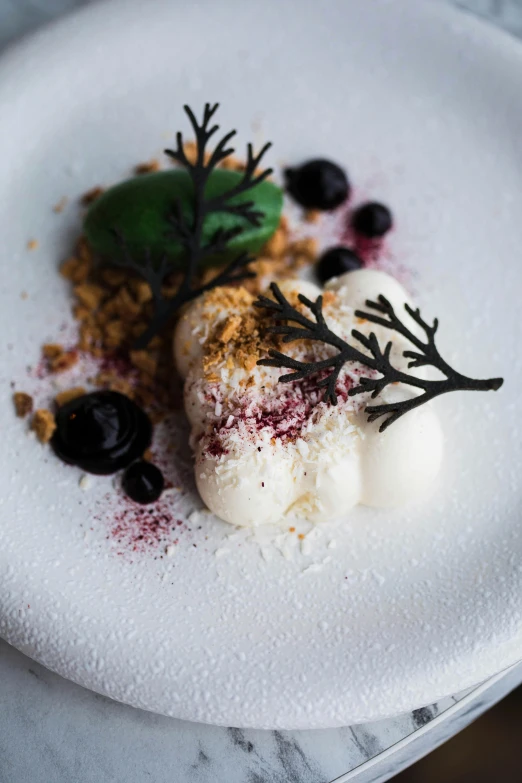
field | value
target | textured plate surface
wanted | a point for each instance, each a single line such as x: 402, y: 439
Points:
x: 424, y: 107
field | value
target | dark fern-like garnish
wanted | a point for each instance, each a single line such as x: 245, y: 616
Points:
x: 189, y: 232
x: 307, y: 329
x: 296, y: 326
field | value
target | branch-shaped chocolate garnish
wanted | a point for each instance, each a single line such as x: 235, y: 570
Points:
x: 155, y: 273
x: 307, y: 329
x: 378, y: 360
x: 189, y: 231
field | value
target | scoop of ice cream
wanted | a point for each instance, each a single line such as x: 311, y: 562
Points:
x: 264, y: 449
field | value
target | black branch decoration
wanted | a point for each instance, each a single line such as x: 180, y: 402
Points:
x: 189, y: 232
x: 293, y: 325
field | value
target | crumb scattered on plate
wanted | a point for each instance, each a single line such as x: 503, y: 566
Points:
x: 43, y: 424
x: 23, y: 404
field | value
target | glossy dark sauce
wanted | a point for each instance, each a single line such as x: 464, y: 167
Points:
x: 101, y: 432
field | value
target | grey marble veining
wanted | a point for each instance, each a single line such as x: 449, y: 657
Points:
x: 53, y: 731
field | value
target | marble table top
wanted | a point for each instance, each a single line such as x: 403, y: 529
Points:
x: 53, y: 731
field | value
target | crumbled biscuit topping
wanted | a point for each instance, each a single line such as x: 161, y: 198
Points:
x: 239, y: 339
x: 43, y: 424
x: 69, y: 394
x: 23, y: 403
x: 91, y: 195
x: 148, y: 167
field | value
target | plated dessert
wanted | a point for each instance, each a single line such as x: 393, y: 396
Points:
x: 264, y: 450
x: 303, y: 400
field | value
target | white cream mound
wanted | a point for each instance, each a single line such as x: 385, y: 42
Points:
x: 264, y: 450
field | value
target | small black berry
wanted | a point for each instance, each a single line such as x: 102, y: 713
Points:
x: 143, y: 482
x: 372, y: 220
x: 336, y: 261
x: 318, y: 184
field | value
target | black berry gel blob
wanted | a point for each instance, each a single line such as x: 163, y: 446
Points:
x: 101, y: 432
x: 318, y: 184
x: 143, y: 482
x: 336, y: 262
x: 372, y: 220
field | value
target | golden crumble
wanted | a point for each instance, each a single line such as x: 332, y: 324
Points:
x: 91, y: 195
x: 69, y: 394
x: 44, y: 424
x: 144, y: 362
x: 307, y: 247
x: 240, y: 338
x: 52, y: 350
x: 23, y: 404
x: 148, y: 167
x: 60, y: 205
x: 90, y: 294
x: 312, y: 215
x: 277, y: 244
x: 229, y: 328
x: 113, y: 277
x: 64, y: 361
x: 75, y: 269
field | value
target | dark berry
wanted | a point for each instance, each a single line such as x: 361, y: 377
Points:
x: 372, y: 220
x: 101, y: 432
x: 337, y: 261
x: 318, y: 184
x: 143, y: 482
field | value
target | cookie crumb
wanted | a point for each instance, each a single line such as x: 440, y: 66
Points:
x: 307, y: 247
x: 312, y: 216
x: 88, y: 198
x: 89, y: 294
x: 277, y: 244
x: 52, y: 350
x: 24, y: 295
x: 141, y: 290
x: 229, y: 328
x: 75, y: 269
x: 69, y: 394
x: 43, y: 424
x: 84, y: 482
x: 190, y: 148
x: 144, y: 362
x: 60, y: 205
x: 23, y: 404
x: 113, y: 277
x: 59, y: 359
x: 64, y: 361
x: 32, y: 244
x: 232, y: 163
x: 148, y: 167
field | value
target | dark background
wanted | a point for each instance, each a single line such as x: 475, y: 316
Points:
x: 488, y: 751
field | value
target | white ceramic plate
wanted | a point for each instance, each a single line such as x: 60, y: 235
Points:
x: 423, y: 106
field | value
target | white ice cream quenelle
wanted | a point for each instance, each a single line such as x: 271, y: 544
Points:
x: 264, y: 449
